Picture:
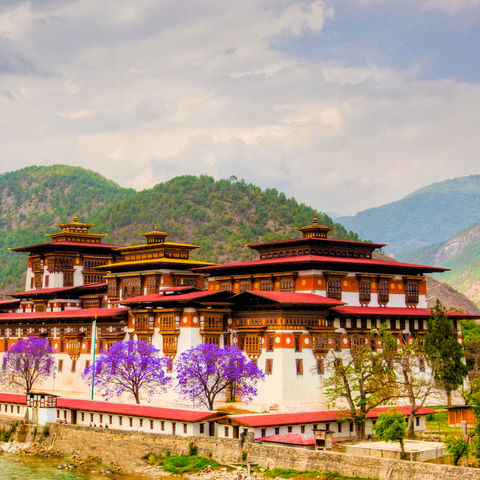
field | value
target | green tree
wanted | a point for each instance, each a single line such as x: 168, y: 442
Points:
x: 444, y: 353
x: 362, y: 378
x: 415, y: 382
x: 391, y: 427
x: 456, y: 447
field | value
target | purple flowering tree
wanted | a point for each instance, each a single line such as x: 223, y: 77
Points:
x: 28, y: 361
x: 132, y: 366
x: 205, y: 371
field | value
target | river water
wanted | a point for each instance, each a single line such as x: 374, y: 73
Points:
x: 13, y: 467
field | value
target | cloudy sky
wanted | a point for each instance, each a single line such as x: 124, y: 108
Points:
x: 344, y: 104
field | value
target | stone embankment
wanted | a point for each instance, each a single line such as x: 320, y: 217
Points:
x: 127, y: 449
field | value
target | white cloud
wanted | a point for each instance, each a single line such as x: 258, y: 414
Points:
x: 451, y: 6
x: 143, y: 94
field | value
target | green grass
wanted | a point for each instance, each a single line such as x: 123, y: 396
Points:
x: 307, y: 474
x: 179, y: 464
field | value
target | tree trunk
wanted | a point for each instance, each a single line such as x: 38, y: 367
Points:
x: 449, y: 398
x: 137, y: 398
x: 360, y: 429
x: 411, y: 425
x: 402, y: 450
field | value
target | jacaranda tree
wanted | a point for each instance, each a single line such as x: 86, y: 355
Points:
x: 28, y: 361
x: 205, y: 371
x: 135, y: 367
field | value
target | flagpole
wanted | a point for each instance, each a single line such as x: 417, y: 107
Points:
x: 94, y: 341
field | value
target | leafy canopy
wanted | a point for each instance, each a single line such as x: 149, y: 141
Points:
x: 444, y: 353
x: 134, y: 367
x: 27, y: 362
x: 206, y: 370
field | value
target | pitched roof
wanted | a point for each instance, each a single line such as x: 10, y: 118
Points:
x: 322, y: 259
x: 276, y: 419
x: 13, y: 398
x: 183, y: 297
x: 75, y: 313
x: 291, y: 297
x: 55, y: 290
x: 396, y: 311
x: 137, y: 410
x: 316, y: 240
x: 64, y: 244
x: 290, y: 439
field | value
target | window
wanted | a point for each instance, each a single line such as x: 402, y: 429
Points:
x: 47, y: 278
x: 60, y: 365
x: 185, y: 428
x: 87, y: 363
x: 174, y: 428
x: 277, y: 431
x: 334, y: 288
x: 411, y: 292
x: 18, y: 409
x: 202, y: 428
x: 120, y: 420
x: 268, y: 366
x: 339, y: 427
x: 289, y: 429
x: 226, y: 431
x: 383, y: 293
x: 320, y: 366
x: 140, y: 421
x: 302, y: 429
x: 417, y: 421
x: 91, y: 417
x: 364, y: 291
x: 263, y: 432
x: 83, y: 416
x: 74, y: 366
x: 151, y: 424
x: 110, y: 419
x: 351, y: 427
x: 130, y: 421
x: 65, y: 414
x: 298, y: 346
x: 270, y: 339
x: 58, y: 413
x: 299, y: 366
x: 162, y: 425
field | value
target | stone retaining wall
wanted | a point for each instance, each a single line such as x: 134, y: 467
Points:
x: 127, y: 448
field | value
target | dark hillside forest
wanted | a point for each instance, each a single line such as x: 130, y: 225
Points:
x: 220, y: 216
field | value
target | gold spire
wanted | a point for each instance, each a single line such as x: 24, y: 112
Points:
x: 155, y: 236
x: 315, y: 230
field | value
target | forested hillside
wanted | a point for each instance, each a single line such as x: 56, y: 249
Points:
x: 34, y: 199
x: 221, y: 216
x: 429, y: 215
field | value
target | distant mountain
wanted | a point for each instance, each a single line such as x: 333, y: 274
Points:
x: 220, y: 216
x: 427, y: 216
x: 461, y: 254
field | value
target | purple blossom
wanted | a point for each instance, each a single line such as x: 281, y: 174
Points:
x: 27, y: 361
x: 132, y: 366
x: 206, y: 370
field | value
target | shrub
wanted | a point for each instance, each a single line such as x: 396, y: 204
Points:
x: 192, y: 449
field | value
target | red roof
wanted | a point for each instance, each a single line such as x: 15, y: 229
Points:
x: 47, y: 291
x: 9, y: 301
x: 292, y: 297
x: 316, y: 239
x: 72, y: 244
x: 41, y: 291
x: 290, y: 439
x: 276, y: 419
x: 76, y: 313
x: 322, y: 259
x: 137, y: 410
x: 396, y: 311
x: 405, y: 409
x: 184, y: 297
x: 13, y: 398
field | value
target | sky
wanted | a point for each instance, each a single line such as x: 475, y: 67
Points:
x: 344, y: 104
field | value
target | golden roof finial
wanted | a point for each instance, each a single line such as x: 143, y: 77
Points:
x: 75, y: 218
x: 315, y: 221
x: 156, y: 229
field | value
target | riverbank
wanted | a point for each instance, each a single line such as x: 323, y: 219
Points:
x: 127, y: 449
